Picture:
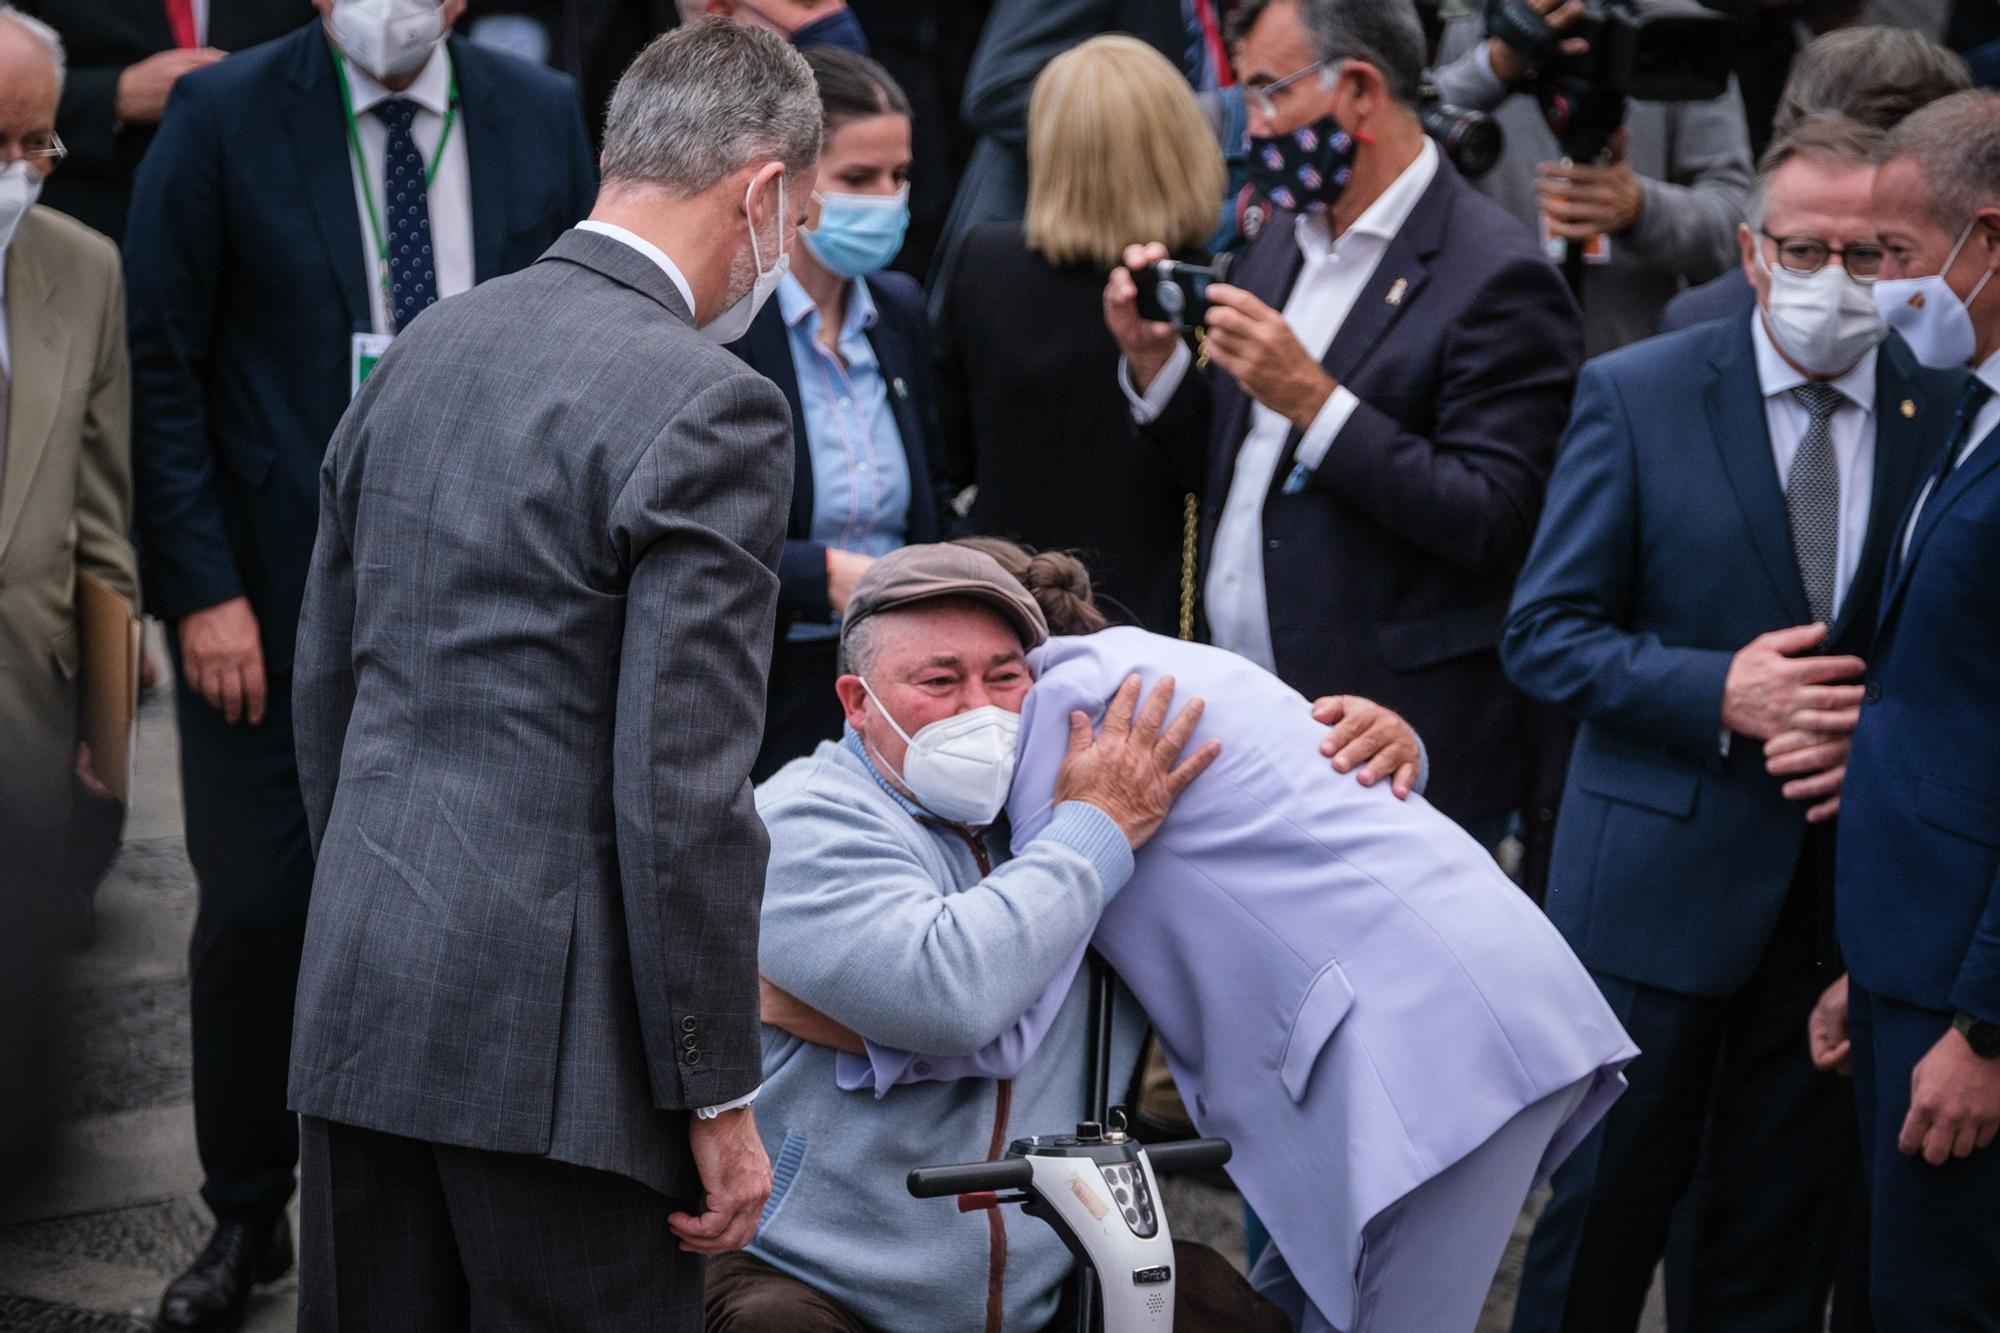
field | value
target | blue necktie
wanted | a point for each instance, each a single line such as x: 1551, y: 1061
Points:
x: 1975, y: 396
x: 407, y: 210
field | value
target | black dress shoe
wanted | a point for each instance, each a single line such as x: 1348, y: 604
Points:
x: 212, y: 1294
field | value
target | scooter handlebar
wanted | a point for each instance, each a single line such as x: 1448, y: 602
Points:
x: 1187, y: 1155
x: 939, y: 1182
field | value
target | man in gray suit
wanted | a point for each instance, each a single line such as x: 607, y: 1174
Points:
x: 530, y: 685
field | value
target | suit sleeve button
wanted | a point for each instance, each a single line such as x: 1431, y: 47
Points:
x: 692, y: 1058
x: 688, y: 1023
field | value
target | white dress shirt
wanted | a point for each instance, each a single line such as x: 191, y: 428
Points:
x: 449, y: 195
x: 1330, y: 281
x: 1983, y: 424
x: 672, y: 270
x: 1853, y: 431
x: 648, y: 249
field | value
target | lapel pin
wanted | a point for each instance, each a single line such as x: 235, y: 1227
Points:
x: 1909, y: 408
x: 902, y: 389
x: 1396, y: 290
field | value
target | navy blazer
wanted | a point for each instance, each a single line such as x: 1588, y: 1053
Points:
x: 1718, y: 298
x: 246, y: 281
x: 1388, y: 574
x: 902, y: 342
x: 1919, y: 869
x: 1665, y: 548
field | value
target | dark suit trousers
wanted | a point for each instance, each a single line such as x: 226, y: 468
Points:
x: 1728, y: 1076
x: 252, y: 855
x: 399, y: 1234
x: 1935, y: 1261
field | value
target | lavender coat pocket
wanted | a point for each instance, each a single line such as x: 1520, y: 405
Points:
x: 1326, y: 1002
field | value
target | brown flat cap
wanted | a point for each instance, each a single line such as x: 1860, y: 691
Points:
x: 914, y: 574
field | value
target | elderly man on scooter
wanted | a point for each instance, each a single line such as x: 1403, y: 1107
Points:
x: 895, y: 905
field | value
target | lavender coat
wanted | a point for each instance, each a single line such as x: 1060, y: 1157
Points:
x: 1345, y: 985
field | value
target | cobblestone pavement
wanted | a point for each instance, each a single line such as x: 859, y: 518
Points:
x: 89, y: 1250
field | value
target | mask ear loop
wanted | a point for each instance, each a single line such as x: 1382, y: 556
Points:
x: 756, y: 251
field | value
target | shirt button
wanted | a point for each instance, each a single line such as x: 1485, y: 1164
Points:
x: 861, y: 467
x: 846, y: 402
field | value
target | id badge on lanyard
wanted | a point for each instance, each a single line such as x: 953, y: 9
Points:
x: 367, y: 349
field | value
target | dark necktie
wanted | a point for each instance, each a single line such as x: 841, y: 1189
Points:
x: 1812, y: 497
x: 406, y: 207
x: 1976, y: 393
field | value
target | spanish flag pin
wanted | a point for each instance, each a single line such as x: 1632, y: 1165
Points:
x: 1916, y: 301
x: 1909, y: 408
x: 902, y: 389
x: 1396, y: 290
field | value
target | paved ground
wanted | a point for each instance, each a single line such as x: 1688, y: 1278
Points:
x: 120, y: 1214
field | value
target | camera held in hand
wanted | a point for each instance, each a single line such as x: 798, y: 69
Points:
x: 1470, y: 140
x: 1645, y: 50
x: 1175, y: 293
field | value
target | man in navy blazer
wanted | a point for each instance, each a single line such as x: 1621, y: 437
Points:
x: 1710, y: 557
x: 259, y: 290
x: 1394, y: 361
x: 1918, y: 896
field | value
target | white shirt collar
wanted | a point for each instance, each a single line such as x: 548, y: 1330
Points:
x: 431, y: 91
x: 1381, y: 219
x: 648, y: 249
x: 1988, y: 372
x: 1775, y: 375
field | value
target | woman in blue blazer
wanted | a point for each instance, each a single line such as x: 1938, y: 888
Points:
x: 849, y: 344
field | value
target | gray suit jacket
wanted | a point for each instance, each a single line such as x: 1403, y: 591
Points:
x: 529, y: 687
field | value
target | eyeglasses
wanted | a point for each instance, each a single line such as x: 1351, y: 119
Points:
x: 1808, y: 254
x: 40, y: 148
x: 1263, y: 97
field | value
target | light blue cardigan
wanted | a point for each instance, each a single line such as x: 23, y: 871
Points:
x: 888, y: 925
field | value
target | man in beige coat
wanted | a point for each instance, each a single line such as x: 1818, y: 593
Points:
x: 65, y: 477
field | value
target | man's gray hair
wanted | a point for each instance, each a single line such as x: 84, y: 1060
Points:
x: 44, y: 36
x: 1384, y: 33
x: 1955, y: 144
x: 857, y: 646
x: 1874, y: 75
x: 1824, y: 137
x: 706, y: 100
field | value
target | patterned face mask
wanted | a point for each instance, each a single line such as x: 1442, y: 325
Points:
x: 1304, y: 171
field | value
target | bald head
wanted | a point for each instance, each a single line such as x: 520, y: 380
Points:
x: 30, y: 52
x: 31, y: 78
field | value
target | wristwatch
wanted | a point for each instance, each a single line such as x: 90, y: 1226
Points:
x: 1982, y: 1036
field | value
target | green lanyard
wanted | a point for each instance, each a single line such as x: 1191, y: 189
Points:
x: 375, y: 223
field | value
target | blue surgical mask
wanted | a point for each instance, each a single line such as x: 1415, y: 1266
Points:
x: 859, y: 234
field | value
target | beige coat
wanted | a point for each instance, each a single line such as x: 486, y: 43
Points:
x: 65, y: 495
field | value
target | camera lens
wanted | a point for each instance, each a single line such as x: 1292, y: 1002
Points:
x: 1172, y: 299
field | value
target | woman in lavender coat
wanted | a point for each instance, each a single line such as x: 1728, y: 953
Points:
x: 1344, y: 984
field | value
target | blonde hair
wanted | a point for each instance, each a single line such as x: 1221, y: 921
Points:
x: 1119, y: 152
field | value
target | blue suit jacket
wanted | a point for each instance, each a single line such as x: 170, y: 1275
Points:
x: 902, y: 342
x: 245, y: 279
x: 1665, y: 548
x: 1919, y: 869
x: 1388, y: 574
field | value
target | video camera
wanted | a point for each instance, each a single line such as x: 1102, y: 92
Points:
x: 1470, y: 140
x: 1648, y: 50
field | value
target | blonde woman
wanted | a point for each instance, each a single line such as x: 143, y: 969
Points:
x: 1028, y: 391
